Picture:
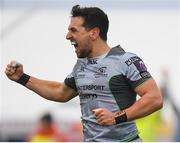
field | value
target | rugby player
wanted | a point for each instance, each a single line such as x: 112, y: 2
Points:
x: 106, y: 79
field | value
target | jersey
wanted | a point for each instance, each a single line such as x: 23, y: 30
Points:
x: 107, y: 81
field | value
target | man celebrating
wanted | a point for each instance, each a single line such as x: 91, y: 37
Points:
x: 106, y: 80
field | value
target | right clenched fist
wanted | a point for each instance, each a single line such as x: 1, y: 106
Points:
x: 14, y: 70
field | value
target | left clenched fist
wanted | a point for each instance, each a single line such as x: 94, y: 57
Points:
x: 104, y: 116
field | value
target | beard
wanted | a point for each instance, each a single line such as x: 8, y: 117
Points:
x: 84, y: 51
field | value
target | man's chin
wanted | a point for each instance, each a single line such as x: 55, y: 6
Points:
x: 80, y: 55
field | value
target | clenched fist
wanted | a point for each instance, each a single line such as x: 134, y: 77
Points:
x: 14, y: 70
x: 104, y: 116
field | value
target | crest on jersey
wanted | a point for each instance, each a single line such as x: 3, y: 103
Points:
x: 101, y: 72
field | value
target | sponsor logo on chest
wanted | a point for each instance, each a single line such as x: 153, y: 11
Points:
x: 101, y: 72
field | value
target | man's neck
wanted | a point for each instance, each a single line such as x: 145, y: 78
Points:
x: 99, y: 48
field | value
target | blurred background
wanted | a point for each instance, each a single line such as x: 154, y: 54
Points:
x: 33, y: 33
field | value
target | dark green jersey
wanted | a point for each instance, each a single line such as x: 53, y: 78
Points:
x: 107, y: 81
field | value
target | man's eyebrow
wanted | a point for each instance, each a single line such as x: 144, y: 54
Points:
x: 72, y: 29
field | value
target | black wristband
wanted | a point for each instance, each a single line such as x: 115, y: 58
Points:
x: 23, y: 79
x: 121, y: 118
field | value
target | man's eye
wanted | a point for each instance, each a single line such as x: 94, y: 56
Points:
x: 73, y: 30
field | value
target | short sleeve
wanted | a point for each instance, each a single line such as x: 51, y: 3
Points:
x: 70, y: 79
x: 135, y: 70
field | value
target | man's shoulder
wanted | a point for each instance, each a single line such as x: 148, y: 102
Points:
x: 116, y: 51
x: 120, y: 53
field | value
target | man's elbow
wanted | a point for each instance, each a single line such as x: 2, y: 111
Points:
x: 159, y: 102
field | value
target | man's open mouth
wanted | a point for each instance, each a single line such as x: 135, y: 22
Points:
x: 74, y: 43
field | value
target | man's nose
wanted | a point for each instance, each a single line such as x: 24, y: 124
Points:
x: 68, y: 36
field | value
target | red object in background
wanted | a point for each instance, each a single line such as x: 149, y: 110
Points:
x: 47, y: 131
x: 50, y: 135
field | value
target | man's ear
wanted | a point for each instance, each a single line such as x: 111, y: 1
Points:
x: 94, y: 33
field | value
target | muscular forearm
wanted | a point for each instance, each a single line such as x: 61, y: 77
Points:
x: 144, y: 106
x: 47, y: 89
x: 149, y: 102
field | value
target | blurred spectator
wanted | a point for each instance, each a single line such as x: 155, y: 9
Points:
x: 47, y: 131
x: 76, y: 132
x: 168, y: 99
x: 178, y: 132
x: 154, y: 127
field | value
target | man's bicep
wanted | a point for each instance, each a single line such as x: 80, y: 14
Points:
x: 67, y: 93
x: 69, y: 86
x: 148, y: 86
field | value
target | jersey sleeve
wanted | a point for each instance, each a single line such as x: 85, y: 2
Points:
x: 70, y: 80
x: 135, y: 70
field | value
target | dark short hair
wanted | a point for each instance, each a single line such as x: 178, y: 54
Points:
x: 47, y: 118
x: 93, y: 17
